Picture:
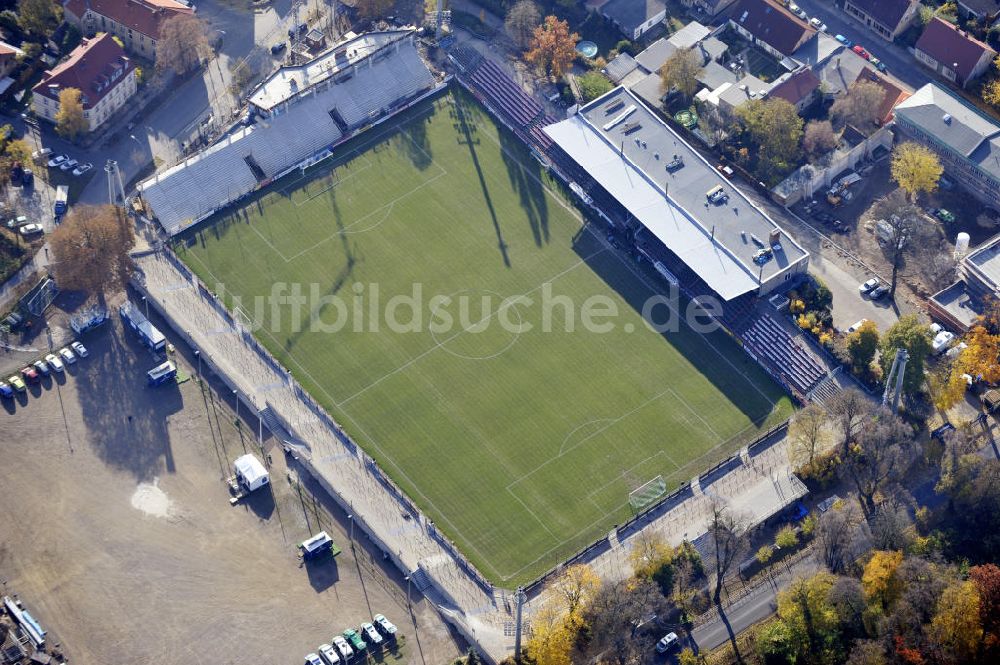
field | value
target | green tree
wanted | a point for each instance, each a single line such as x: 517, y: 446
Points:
x: 861, y: 347
x: 915, y: 168
x: 957, y: 625
x: 813, y: 627
x: 593, y: 84
x: 680, y: 72
x: 39, y: 17
x: 775, y: 129
x: 786, y: 538
x: 70, y: 121
x: 910, y: 334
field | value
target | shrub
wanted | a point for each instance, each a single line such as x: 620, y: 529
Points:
x: 787, y: 538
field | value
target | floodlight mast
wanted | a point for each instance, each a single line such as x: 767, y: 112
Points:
x: 895, y: 388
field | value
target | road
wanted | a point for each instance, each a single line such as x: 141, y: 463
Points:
x: 902, y: 66
x: 756, y: 606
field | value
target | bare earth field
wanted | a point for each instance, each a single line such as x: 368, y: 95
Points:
x: 118, y: 535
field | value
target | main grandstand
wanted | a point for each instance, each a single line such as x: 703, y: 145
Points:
x: 680, y: 200
x: 304, y: 112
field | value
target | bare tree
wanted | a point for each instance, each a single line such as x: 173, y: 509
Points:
x: 521, y: 21
x: 183, y: 43
x: 899, y: 230
x: 729, y: 540
x: 849, y: 408
x: 891, y: 524
x: 837, y: 532
x: 818, y: 137
x: 612, y: 616
x: 860, y: 106
x: 808, y: 434
x: 880, y: 459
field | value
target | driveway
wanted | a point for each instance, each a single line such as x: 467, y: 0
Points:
x: 902, y: 66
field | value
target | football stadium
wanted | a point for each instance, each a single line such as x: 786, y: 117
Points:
x: 523, y: 429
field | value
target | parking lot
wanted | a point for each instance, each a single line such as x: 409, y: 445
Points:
x: 118, y: 534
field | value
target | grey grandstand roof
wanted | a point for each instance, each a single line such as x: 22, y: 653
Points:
x: 620, y: 67
x: 713, y: 240
x: 192, y: 190
x: 954, y: 124
x: 289, y: 80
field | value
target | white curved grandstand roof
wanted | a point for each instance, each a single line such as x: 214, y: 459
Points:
x: 202, y: 184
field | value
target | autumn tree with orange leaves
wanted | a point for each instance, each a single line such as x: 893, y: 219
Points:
x: 552, y: 47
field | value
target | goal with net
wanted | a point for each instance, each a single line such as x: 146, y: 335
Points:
x: 647, y: 493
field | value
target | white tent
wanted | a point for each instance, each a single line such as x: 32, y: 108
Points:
x: 250, y: 472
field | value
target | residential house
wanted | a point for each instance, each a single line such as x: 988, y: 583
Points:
x: 983, y: 9
x: 894, y: 95
x: 887, y: 18
x: 770, y: 26
x: 136, y: 22
x: 8, y: 58
x: 634, y: 17
x: 965, y: 139
x: 838, y: 73
x: 708, y: 7
x: 953, y: 53
x: 100, y: 70
x: 799, y: 89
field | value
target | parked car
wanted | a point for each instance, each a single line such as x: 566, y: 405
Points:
x: 346, y: 652
x: 17, y: 383
x: 860, y: 50
x: 313, y: 659
x: 278, y: 48
x: 879, y: 293
x: 27, y: 178
x: 68, y: 165
x: 879, y: 65
x: 57, y: 160
x: 854, y: 326
x: 6, y: 390
x: 385, y: 626
x: 41, y: 367
x: 370, y: 635
x: 15, y: 222
x: 818, y: 24
x: 869, y: 285
x: 844, y: 40
x: 942, y: 341
x: 798, y: 11
x: 352, y: 636
x: 79, y: 349
x: 944, y: 215
x: 30, y: 229
x: 41, y: 154
x: 667, y: 643
x: 328, y: 654
x: 30, y: 374
x: 82, y: 168
x: 301, y: 29
x: 53, y: 362
x: 68, y: 356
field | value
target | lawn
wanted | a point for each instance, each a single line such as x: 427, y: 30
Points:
x: 522, y: 445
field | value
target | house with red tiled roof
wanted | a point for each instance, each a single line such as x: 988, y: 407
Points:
x: 799, y: 89
x: 770, y: 26
x: 100, y: 70
x: 953, y: 53
x: 8, y: 58
x: 886, y: 18
x: 136, y: 22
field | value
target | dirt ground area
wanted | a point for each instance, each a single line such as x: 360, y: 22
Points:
x: 117, y: 533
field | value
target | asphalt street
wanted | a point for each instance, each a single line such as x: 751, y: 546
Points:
x: 901, y: 64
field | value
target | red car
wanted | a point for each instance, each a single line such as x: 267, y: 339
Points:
x: 30, y: 374
x: 860, y: 50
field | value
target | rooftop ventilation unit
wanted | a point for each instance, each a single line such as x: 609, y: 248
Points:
x: 947, y: 118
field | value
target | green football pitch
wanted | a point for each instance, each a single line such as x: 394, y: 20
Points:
x: 516, y: 424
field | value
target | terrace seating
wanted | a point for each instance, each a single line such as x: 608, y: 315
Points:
x: 767, y: 339
x: 505, y: 95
